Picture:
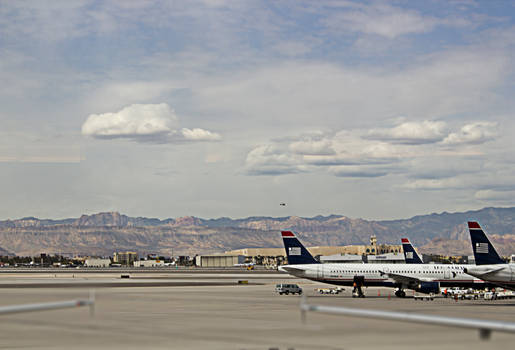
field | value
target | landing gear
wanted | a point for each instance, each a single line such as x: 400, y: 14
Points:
x: 358, y: 293
x: 400, y: 293
x: 359, y: 281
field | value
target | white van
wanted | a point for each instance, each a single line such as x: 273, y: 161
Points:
x: 288, y: 288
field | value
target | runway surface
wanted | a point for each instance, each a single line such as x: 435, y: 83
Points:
x: 228, y: 316
x: 136, y: 278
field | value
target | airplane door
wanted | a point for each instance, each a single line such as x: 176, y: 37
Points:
x: 447, y: 274
x: 512, y: 268
x: 320, y: 272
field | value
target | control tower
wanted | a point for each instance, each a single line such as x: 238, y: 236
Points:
x: 373, y: 245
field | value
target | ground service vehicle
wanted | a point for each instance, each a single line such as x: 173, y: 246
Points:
x: 288, y: 289
x: 336, y: 290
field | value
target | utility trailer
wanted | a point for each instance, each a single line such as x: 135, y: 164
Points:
x: 424, y: 297
x: 336, y: 290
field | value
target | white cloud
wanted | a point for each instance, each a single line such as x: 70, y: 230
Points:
x: 474, y: 133
x: 358, y: 172
x: 352, y: 145
x: 434, y: 184
x: 132, y: 121
x: 411, y: 133
x: 145, y: 123
x: 271, y: 160
x: 199, y: 135
x: 386, y: 21
x: 345, y: 148
x: 411, y: 149
x: 312, y: 147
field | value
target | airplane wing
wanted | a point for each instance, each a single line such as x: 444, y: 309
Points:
x: 403, y: 279
x: 488, y: 272
x: 485, y: 327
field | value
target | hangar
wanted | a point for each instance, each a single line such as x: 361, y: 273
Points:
x: 219, y: 260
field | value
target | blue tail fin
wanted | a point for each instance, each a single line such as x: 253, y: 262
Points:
x: 484, y: 251
x: 295, y: 251
x: 410, y: 255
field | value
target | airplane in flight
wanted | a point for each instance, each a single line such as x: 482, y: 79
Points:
x: 423, y: 278
x: 410, y: 254
x: 489, y: 265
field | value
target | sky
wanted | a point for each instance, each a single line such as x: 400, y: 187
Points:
x: 211, y: 108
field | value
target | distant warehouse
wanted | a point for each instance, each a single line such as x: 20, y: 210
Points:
x: 219, y: 260
x: 149, y: 263
x: 97, y: 262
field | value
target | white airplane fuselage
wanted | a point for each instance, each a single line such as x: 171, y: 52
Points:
x: 501, y: 274
x: 408, y: 276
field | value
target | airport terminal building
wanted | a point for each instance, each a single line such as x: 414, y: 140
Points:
x: 373, y: 252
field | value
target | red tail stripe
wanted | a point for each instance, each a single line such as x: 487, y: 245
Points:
x: 473, y: 224
x: 287, y: 234
x: 405, y: 240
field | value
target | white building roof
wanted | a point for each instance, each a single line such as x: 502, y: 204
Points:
x: 341, y: 258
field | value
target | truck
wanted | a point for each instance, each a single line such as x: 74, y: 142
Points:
x: 284, y: 288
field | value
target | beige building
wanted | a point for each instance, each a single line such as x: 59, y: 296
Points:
x: 125, y: 258
x: 278, y: 255
x: 257, y: 252
x: 322, y: 250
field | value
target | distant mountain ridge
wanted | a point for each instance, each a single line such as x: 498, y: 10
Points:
x: 116, y: 219
x: 104, y: 233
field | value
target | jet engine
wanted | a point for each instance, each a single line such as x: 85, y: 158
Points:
x: 428, y: 287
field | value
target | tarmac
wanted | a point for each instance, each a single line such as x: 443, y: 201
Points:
x: 213, y: 311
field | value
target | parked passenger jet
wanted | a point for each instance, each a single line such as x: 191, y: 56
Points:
x: 410, y: 254
x: 424, y: 278
x: 489, y: 265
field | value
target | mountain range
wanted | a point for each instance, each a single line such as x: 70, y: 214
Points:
x: 104, y: 233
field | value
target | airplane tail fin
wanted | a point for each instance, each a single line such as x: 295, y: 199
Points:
x: 410, y: 254
x: 484, y: 251
x: 295, y: 251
